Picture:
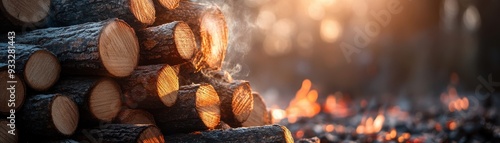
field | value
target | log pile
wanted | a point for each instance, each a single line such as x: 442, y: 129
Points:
x: 125, y: 71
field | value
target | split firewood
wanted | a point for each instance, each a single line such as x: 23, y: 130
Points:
x: 135, y: 116
x: 209, y: 27
x: 98, y: 99
x: 150, y: 87
x: 122, y: 133
x: 235, y: 95
x: 6, y: 130
x: 168, y: 4
x: 14, y: 95
x: 172, y: 43
x: 259, y: 115
x: 38, y: 67
x: 23, y: 14
x: 52, y: 115
x: 138, y: 13
x: 261, y: 134
x: 108, y: 47
x: 197, y: 109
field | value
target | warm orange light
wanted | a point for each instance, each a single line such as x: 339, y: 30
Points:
x: 401, y: 139
x: 378, y: 123
x: 393, y: 133
x: 278, y: 115
x: 329, y: 128
x: 406, y: 135
x: 369, y: 126
x: 360, y: 129
x: 340, y: 129
x: 304, y: 104
x: 452, y: 125
x: 299, y: 134
x: 330, y: 104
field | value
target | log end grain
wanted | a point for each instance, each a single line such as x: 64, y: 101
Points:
x: 42, y: 70
x: 151, y: 135
x: 184, y: 40
x: 105, y: 100
x: 5, y: 137
x: 242, y: 100
x: 214, y: 34
x: 167, y: 85
x: 259, y: 115
x: 27, y: 11
x: 119, y: 48
x: 143, y: 10
x: 134, y: 116
x: 20, y: 91
x: 208, y: 105
x: 169, y: 4
x: 64, y: 115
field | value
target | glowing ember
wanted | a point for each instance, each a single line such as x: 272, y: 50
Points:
x: 299, y: 134
x: 304, y: 104
x: 278, y: 115
x: 337, y: 108
x: 329, y: 128
x: 393, y: 134
x: 371, y: 126
x: 378, y: 123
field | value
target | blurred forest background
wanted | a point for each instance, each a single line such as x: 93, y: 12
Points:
x: 427, y: 47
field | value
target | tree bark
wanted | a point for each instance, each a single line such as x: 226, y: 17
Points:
x: 123, y: 133
x: 5, y: 96
x: 138, y: 13
x: 99, y: 48
x: 262, y: 134
x: 98, y: 99
x: 50, y: 115
x: 259, y: 115
x: 197, y: 109
x: 151, y: 87
x: 172, y: 43
x: 209, y: 27
x: 134, y: 116
x: 38, y: 67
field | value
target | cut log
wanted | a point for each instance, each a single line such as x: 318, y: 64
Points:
x: 134, y: 116
x: 138, y: 13
x: 123, y: 133
x: 197, y: 109
x: 23, y: 14
x: 100, y: 48
x: 150, y: 87
x: 259, y: 115
x: 209, y: 27
x: 11, y: 98
x: 51, y: 115
x: 235, y: 96
x: 172, y: 43
x: 98, y: 99
x: 38, y: 67
x: 309, y: 140
x: 5, y: 132
x: 168, y: 4
x: 262, y: 134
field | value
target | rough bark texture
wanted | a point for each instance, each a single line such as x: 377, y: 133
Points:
x: 13, y: 23
x: 37, y: 113
x: 22, y: 55
x: 263, y: 134
x: 20, y: 91
x: 158, y: 45
x: 71, y: 12
x: 76, y: 46
x: 309, y: 140
x: 193, y: 13
x: 183, y: 116
x: 117, y: 133
x: 140, y: 89
x: 79, y: 90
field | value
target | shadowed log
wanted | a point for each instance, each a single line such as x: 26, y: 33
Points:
x: 20, y: 15
x: 5, y: 132
x: 259, y: 115
x: 134, y: 116
x: 123, y: 133
x: 16, y: 95
x: 38, y: 67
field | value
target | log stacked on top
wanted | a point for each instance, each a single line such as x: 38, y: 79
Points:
x: 128, y: 71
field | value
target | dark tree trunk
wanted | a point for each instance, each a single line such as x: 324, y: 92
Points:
x: 122, y: 133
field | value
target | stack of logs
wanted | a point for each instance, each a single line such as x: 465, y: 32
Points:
x: 123, y: 71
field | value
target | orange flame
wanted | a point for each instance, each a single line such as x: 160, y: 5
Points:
x: 336, y: 107
x: 371, y: 126
x: 304, y: 104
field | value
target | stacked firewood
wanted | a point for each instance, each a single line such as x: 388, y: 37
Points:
x: 125, y: 71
